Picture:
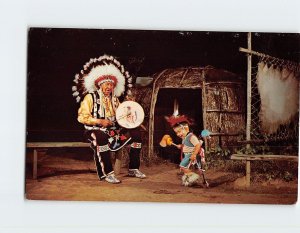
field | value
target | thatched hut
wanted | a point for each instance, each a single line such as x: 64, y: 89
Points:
x: 215, y: 98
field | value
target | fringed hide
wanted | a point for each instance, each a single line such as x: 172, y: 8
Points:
x: 279, y: 94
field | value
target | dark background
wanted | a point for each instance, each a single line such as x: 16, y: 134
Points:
x: 56, y: 55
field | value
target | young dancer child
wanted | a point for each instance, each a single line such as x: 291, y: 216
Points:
x: 190, y: 146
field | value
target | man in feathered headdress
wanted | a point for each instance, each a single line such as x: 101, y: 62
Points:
x: 101, y: 82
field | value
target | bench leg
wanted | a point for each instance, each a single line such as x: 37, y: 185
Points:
x: 118, y: 161
x: 34, y: 164
x: 248, y: 171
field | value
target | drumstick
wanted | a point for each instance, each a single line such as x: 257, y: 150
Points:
x: 143, y: 127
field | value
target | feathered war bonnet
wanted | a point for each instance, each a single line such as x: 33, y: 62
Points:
x: 99, y: 70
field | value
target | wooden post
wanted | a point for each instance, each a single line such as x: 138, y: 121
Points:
x: 151, y: 122
x: 204, y: 109
x: 34, y: 164
x: 151, y: 114
x: 248, y: 124
x: 248, y: 173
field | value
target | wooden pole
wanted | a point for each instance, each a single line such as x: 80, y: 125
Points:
x: 34, y: 164
x: 151, y: 114
x: 248, y: 124
x: 248, y: 172
x: 290, y: 64
x: 204, y: 109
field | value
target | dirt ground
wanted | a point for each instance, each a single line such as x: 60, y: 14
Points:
x: 64, y: 175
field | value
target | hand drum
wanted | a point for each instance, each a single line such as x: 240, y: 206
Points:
x: 130, y: 114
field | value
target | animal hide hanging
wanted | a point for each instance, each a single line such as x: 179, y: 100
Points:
x: 279, y: 94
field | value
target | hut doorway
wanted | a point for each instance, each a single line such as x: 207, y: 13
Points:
x: 189, y: 102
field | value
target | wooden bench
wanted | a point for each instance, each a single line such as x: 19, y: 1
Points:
x: 45, y: 145
x: 249, y: 158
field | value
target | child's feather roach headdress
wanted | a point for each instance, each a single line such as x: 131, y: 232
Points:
x: 176, y: 119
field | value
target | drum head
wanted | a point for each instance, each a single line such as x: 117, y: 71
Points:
x: 130, y: 114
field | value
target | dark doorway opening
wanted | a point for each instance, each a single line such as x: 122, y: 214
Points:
x: 190, y: 103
